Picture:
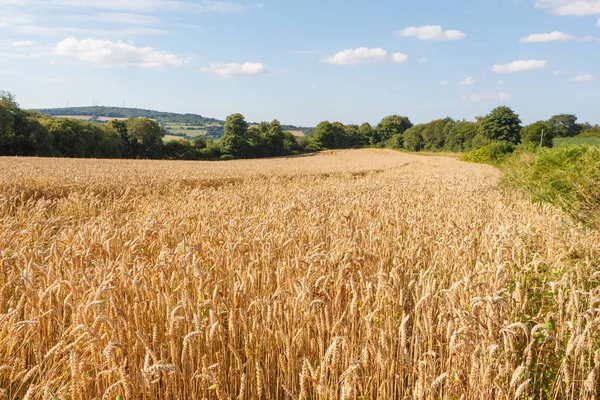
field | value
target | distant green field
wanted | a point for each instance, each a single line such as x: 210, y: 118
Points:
x: 562, y: 142
x: 188, y: 130
x: 168, y: 138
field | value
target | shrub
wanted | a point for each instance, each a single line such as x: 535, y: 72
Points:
x: 567, y: 177
x: 493, y: 153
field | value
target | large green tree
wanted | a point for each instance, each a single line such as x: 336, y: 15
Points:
x: 235, y: 137
x: 392, y: 125
x: 149, y: 135
x: 564, y: 125
x: 501, y: 124
x: 275, y: 138
x: 21, y: 133
x: 366, y: 131
x: 533, y: 134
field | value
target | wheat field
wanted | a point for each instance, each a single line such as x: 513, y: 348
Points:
x: 365, y: 274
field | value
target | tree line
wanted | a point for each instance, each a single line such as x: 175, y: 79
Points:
x: 29, y: 133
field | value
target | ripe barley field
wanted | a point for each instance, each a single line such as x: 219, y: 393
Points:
x: 366, y: 274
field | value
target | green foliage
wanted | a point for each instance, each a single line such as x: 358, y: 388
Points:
x: 460, y: 137
x: 149, y: 135
x: 436, y: 132
x: 574, y: 141
x: 366, y: 131
x: 567, y: 177
x: 564, y: 125
x: 413, y: 138
x: 275, y: 138
x: 493, y: 153
x: 590, y: 132
x: 502, y: 124
x: 20, y: 131
x: 235, y: 137
x: 390, y: 126
x: 533, y: 134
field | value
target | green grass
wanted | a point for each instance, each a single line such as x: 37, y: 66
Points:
x: 188, y: 130
x: 566, y: 177
x: 562, y: 142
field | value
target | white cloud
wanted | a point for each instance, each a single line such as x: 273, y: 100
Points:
x: 363, y: 55
x: 235, y: 69
x: 584, y: 78
x: 431, y: 32
x: 469, y: 81
x: 520, y: 66
x: 444, y: 83
x: 107, y: 53
x: 547, y: 37
x: 501, y: 82
x: 478, y: 97
x: 559, y: 72
x: 22, y: 43
x: 577, y: 8
x: 422, y: 60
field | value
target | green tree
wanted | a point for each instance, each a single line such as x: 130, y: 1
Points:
x: 501, y: 124
x: 564, y: 125
x: 460, y: 137
x: 131, y: 146
x: 392, y: 125
x: 436, y: 132
x: 21, y: 132
x: 323, y: 136
x: 275, y: 138
x: 290, y: 144
x: 413, y: 138
x: 533, y: 134
x: 235, y: 137
x: 366, y: 131
x: 149, y: 135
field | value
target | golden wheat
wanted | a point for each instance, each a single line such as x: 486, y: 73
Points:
x: 353, y: 274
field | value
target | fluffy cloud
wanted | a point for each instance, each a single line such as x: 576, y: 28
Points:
x: 478, y: 97
x: 363, y: 55
x: 444, y: 83
x: 467, y: 82
x: 107, y: 53
x: 520, y: 66
x: 235, y: 69
x: 547, y: 37
x: 578, y: 8
x: 431, y: 32
x: 584, y: 78
x: 422, y: 60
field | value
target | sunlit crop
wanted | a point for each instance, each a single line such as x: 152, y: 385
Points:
x: 365, y: 274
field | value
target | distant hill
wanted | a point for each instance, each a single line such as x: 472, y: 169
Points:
x: 187, y: 126
x: 119, y: 112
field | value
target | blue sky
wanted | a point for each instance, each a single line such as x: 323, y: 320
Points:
x: 306, y: 61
